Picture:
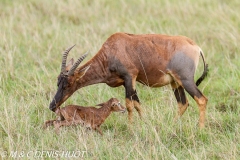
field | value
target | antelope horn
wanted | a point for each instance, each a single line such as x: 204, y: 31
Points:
x: 64, y: 58
x: 76, y: 64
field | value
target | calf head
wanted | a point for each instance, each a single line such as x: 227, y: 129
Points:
x: 116, y: 106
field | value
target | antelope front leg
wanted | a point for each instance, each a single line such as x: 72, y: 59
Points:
x: 137, y: 106
x: 132, y: 100
x: 130, y: 106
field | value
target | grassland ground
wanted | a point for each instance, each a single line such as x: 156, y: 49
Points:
x: 35, y: 33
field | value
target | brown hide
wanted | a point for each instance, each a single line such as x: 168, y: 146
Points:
x: 89, y: 117
x: 143, y: 56
x: 151, y: 59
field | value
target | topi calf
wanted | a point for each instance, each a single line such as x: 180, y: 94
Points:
x: 89, y: 117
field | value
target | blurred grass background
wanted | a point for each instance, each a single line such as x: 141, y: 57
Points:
x: 33, y: 35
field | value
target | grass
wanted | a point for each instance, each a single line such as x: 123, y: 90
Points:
x: 33, y: 36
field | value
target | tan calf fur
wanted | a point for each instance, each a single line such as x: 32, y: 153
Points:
x: 89, y: 117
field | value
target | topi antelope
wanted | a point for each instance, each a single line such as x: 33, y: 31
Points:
x: 151, y: 59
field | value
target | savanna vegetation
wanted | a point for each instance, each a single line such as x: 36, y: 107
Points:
x: 33, y: 35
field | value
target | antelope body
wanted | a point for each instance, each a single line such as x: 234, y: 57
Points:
x: 151, y: 59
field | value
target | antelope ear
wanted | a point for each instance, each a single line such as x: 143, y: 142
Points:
x: 101, y: 104
x: 83, y: 71
x: 69, y: 64
x: 112, y: 102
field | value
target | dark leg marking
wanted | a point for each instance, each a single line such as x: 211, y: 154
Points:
x: 180, y: 95
x: 182, y: 101
x: 132, y: 100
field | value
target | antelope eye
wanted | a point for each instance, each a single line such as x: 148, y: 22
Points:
x: 66, y: 85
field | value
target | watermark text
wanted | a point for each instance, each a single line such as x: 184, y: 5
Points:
x: 43, y: 154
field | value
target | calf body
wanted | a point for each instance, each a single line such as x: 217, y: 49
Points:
x: 89, y: 117
x: 152, y: 59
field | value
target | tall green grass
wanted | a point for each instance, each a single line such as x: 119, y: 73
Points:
x: 33, y: 35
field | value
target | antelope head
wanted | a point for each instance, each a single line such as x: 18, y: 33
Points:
x: 67, y: 79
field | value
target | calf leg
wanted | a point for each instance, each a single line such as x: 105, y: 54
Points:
x: 99, y: 130
x: 57, y: 124
x: 181, y: 100
x: 201, y: 100
x: 48, y: 123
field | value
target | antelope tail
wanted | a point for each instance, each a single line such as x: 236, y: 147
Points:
x: 205, y: 71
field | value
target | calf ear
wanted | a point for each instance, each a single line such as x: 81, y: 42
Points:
x: 101, y: 104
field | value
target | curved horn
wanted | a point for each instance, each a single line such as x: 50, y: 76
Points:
x: 64, y: 58
x: 76, y: 64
